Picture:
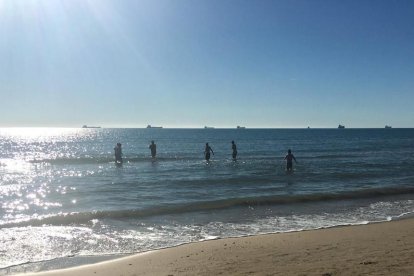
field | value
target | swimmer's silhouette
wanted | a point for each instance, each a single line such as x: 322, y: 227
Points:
x: 234, y: 148
x: 153, y: 148
x: 118, y: 153
x: 289, y: 161
x: 207, y: 151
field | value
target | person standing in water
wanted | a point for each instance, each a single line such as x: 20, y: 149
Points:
x: 289, y: 161
x: 234, y: 148
x: 118, y: 153
x: 153, y: 148
x: 207, y: 152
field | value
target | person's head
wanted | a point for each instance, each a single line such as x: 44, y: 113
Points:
x: 152, y: 142
x: 232, y: 142
x: 206, y: 144
x: 289, y: 151
x: 118, y: 144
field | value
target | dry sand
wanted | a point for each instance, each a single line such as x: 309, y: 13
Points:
x: 375, y: 249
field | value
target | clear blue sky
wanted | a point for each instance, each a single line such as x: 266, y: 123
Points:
x: 222, y: 63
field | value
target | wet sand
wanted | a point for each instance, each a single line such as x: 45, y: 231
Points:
x: 375, y: 249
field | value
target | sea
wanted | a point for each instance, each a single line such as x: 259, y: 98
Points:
x: 64, y: 201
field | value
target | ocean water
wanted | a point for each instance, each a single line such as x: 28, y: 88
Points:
x: 62, y: 196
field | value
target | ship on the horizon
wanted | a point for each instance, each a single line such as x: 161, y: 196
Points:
x: 86, y: 126
x: 387, y: 126
x: 241, y: 127
x: 341, y: 126
x: 208, y: 127
x: 150, y: 126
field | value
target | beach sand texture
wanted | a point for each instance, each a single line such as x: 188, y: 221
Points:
x: 375, y: 249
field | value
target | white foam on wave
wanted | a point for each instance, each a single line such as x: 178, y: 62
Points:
x: 103, y: 238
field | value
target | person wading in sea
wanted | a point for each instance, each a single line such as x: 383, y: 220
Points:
x: 234, y: 148
x: 207, y: 152
x: 289, y: 161
x: 118, y: 153
x: 153, y: 148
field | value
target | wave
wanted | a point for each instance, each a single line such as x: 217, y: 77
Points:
x: 331, y: 156
x: 145, y: 159
x: 87, y: 217
x: 104, y: 160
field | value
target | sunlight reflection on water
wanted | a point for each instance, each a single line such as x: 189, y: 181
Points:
x: 40, y: 133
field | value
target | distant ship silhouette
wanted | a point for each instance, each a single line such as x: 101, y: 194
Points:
x: 341, y: 126
x: 150, y: 126
x: 85, y: 126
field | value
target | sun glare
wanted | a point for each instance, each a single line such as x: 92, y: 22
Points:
x: 34, y: 133
x: 29, y: 143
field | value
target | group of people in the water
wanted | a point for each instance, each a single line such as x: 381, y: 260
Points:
x: 209, y: 149
x: 118, y: 151
x: 207, y: 154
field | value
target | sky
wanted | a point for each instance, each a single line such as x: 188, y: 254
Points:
x: 196, y: 63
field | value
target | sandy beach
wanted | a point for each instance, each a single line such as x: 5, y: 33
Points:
x: 375, y: 249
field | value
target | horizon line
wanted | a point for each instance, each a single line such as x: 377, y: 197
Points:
x: 208, y: 128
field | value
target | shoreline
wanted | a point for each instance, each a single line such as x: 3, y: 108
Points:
x: 383, y: 248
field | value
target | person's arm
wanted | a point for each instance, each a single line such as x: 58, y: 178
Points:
x: 212, y: 151
x: 294, y: 159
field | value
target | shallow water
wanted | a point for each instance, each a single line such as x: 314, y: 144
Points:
x: 62, y: 195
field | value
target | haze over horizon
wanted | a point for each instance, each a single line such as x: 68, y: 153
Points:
x: 189, y: 64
